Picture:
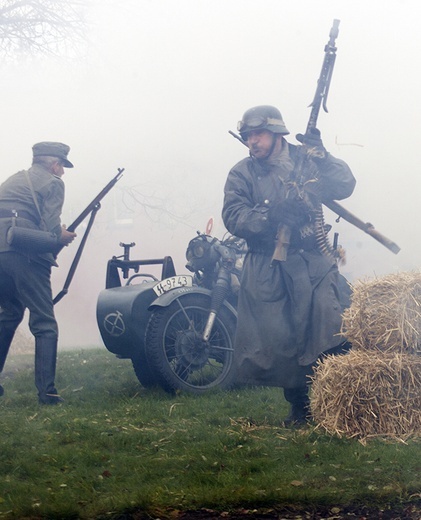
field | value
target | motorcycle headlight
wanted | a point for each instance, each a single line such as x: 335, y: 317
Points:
x: 198, y: 251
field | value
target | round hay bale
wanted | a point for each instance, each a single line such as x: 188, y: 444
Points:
x: 364, y: 393
x: 385, y: 314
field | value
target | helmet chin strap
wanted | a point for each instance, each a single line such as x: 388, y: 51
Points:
x: 273, y: 144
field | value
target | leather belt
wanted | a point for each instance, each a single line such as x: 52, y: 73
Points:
x: 8, y: 213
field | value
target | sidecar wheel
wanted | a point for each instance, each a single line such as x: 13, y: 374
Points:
x: 144, y: 372
x: 177, y: 353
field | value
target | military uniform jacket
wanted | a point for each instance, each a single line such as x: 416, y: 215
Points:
x: 288, y: 314
x: 15, y: 194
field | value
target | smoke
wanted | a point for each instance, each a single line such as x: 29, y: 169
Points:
x: 164, y: 81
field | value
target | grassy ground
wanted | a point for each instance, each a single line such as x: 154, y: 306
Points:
x: 114, y: 447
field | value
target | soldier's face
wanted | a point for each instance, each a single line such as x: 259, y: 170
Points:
x: 260, y: 143
x: 58, y: 169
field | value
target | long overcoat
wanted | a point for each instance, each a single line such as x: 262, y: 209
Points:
x: 290, y: 313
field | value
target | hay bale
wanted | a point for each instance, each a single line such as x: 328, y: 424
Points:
x: 363, y: 394
x: 385, y: 314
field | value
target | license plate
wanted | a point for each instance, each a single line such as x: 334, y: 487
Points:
x: 174, y: 282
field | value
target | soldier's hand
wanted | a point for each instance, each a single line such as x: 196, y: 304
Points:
x: 66, y: 236
x: 314, y: 143
x: 291, y: 212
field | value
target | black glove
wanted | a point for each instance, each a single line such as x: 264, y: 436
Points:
x: 291, y: 212
x: 314, y: 142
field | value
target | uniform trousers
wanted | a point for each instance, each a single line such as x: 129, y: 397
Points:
x: 26, y: 284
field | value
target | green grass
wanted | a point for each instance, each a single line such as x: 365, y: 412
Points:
x: 114, y: 446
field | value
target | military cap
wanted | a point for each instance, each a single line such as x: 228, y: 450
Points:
x: 52, y: 149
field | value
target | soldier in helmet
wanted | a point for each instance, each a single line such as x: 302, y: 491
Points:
x: 34, y: 199
x: 289, y: 313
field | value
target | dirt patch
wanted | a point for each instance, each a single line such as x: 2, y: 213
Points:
x: 409, y: 512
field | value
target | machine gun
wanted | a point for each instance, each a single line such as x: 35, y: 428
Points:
x: 304, y: 153
x: 345, y: 214
x: 91, y: 209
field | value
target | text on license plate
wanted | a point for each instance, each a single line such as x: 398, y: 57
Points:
x: 174, y: 282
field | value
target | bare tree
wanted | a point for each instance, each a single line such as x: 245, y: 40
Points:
x: 48, y: 27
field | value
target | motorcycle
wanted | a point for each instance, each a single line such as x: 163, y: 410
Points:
x: 178, y: 330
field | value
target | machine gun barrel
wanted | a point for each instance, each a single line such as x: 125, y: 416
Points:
x: 320, y: 98
x: 323, y: 83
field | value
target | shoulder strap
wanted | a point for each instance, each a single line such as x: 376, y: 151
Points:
x: 34, y: 196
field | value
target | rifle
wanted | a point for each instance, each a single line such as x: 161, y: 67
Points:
x: 91, y: 209
x: 96, y: 202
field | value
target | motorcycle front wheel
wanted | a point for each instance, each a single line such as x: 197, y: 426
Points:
x: 177, y: 353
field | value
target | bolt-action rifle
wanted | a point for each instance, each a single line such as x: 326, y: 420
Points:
x: 91, y: 209
x: 320, y: 99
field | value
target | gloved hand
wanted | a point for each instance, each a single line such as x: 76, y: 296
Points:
x: 291, y: 212
x: 314, y: 142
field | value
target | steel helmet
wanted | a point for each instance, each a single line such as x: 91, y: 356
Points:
x: 263, y: 117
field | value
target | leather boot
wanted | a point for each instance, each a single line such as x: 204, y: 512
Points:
x: 6, y: 338
x: 300, y: 406
x: 45, y: 369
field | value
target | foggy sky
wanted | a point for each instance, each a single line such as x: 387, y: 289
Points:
x: 162, y: 83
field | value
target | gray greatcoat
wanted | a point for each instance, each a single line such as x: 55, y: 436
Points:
x: 288, y: 314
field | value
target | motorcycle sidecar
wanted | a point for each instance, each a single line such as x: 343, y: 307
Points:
x: 179, y: 335
x: 122, y: 310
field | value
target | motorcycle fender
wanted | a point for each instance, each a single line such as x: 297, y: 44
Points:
x: 166, y: 299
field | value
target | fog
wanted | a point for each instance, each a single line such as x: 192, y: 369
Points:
x: 160, y: 85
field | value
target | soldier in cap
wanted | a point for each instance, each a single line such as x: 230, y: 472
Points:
x: 289, y: 313
x: 34, y: 198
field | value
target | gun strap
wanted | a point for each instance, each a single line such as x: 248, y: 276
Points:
x: 31, y: 187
